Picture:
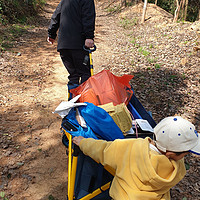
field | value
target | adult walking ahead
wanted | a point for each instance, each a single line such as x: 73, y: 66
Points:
x: 75, y: 20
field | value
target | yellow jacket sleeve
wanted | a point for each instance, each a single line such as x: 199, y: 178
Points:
x: 100, y: 150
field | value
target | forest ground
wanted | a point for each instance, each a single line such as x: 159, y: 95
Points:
x: 33, y: 81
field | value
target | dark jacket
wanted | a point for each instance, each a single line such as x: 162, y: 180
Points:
x: 75, y: 20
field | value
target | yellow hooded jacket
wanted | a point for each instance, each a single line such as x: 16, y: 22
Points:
x: 140, y: 173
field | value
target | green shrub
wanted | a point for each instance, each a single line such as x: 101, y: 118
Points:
x: 128, y: 23
x: 9, y: 33
x: 12, y: 11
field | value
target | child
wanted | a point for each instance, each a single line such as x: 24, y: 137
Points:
x: 146, y: 169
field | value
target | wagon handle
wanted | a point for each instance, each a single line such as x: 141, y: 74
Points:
x: 91, y: 49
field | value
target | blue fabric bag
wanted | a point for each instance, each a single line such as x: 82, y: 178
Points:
x: 99, y: 124
x: 77, y: 130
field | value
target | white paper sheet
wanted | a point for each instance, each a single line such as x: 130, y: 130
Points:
x: 65, y: 106
x: 144, y: 125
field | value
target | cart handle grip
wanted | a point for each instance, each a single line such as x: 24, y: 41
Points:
x: 91, y: 49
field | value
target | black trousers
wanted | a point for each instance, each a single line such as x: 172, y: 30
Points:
x: 73, y: 61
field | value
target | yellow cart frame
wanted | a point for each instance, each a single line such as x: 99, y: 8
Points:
x: 72, y: 166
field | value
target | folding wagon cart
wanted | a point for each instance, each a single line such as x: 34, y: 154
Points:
x: 88, y: 179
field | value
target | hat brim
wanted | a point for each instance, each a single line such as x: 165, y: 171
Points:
x: 196, y: 149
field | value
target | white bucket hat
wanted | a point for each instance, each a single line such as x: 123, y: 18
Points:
x: 177, y: 134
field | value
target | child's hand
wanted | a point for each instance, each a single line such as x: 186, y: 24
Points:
x: 77, y: 140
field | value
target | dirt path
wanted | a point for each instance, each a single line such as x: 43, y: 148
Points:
x: 33, y: 82
x: 33, y: 159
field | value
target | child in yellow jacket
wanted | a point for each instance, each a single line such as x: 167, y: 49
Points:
x: 146, y: 169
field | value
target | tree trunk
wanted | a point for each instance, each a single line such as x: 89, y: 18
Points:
x: 144, y: 11
x: 199, y: 15
x: 176, y: 13
x: 156, y: 1
x: 183, y: 5
x: 180, y: 6
x: 186, y: 7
